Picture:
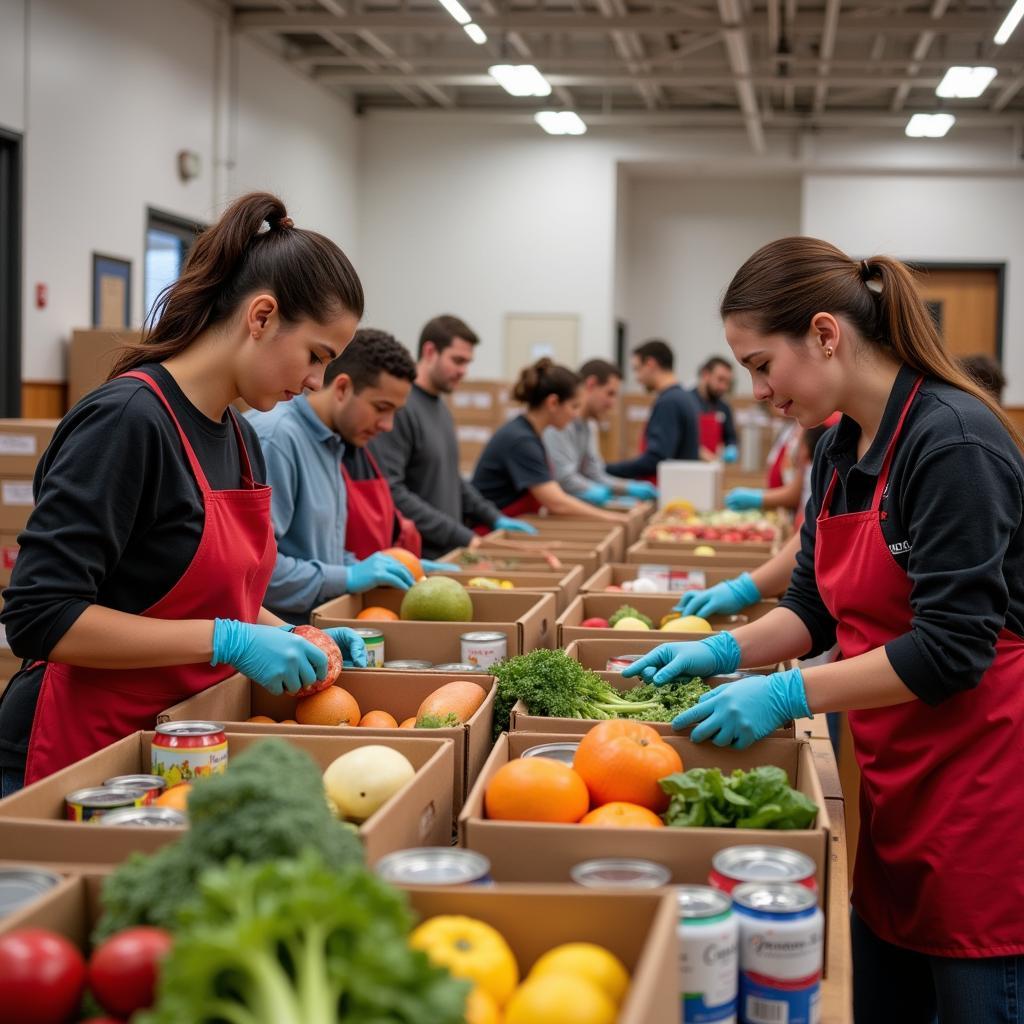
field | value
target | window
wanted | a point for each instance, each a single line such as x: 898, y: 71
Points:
x: 168, y: 241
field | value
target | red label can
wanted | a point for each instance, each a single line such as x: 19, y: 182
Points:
x: 767, y: 864
x: 183, y: 751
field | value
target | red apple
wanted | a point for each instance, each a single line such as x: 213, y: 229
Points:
x: 595, y: 623
x: 614, y: 587
x: 330, y: 648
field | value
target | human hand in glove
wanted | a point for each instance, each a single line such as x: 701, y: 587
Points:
x: 429, y: 566
x: 740, y: 499
x: 724, y: 598
x: 269, y: 655
x: 716, y: 655
x: 643, y: 490
x: 353, y: 650
x: 730, y: 453
x: 514, y: 525
x: 596, y: 494
x: 379, y: 570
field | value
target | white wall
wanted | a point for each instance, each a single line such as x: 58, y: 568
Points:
x: 938, y: 218
x: 686, y: 238
x: 13, y: 15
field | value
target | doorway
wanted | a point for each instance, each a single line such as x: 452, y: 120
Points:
x: 966, y: 302
x: 10, y: 274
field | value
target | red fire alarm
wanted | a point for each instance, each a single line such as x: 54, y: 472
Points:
x: 40, y: 296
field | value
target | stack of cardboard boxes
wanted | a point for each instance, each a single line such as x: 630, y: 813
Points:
x: 479, y: 408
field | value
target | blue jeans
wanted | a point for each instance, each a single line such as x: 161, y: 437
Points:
x: 892, y: 985
x: 11, y: 780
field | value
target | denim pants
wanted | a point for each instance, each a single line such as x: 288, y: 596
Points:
x: 892, y: 985
x: 11, y: 780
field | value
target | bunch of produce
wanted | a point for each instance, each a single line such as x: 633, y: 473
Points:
x: 724, y: 525
x: 490, y: 583
x: 552, y: 684
x: 629, y: 612
x: 629, y: 618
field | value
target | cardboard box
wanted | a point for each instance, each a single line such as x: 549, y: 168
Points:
x: 33, y: 826
x: 643, y: 553
x: 636, y: 410
x: 22, y: 443
x: 92, y: 353
x: 573, y: 530
x: 501, y: 560
x: 569, y: 625
x: 603, y: 545
x: 639, y: 928
x: 563, y: 583
x: 479, y: 401
x: 9, y: 554
x: 740, y: 547
x: 526, y: 618
x: 617, y: 573
x: 529, y: 852
x: 400, y: 693
x: 16, y: 501
x: 533, y: 555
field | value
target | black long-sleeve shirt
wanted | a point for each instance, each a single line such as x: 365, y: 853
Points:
x: 672, y: 433
x: 954, y: 507
x: 720, y: 408
x: 117, y: 521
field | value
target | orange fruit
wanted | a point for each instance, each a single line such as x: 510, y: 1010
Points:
x: 536, y: 789
x: 623, y: 760
x: 379, y: 720
x: 288, y: 721
x: 408, y: 723
x: 408, y: 559
x: 264, y: 719
x: 619, y: 814
x: 176, y: 797
x: 377, y: 614
x: 333, y: 706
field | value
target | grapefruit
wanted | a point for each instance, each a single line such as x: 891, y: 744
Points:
x: 437, y: 599
x: 375, y: 613
x: 333, y: 706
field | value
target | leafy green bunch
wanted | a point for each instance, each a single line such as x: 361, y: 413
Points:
x: 627, y: 611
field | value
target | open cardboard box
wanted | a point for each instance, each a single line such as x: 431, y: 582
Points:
x: 643, y: 553
x: 743, y: 547
x: 526, y: 618
x: 564, y: 583
x: 570, y: 623
x: 400, y: 693
x: 639, y: 928
x: 574, y: 531
x: 33, y: 825
x: 601, y: 544
x: 490, y: 563
x: 532, y: 555
x: 634, y: 519
x: 677, y: 580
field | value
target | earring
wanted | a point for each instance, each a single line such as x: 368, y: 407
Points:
x: 828, y: 353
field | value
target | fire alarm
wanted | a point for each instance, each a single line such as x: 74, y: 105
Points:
x: 189, y: 164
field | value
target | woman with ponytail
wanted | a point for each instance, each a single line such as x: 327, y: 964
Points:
x: 513, y: 470
x: 912, y: 561
x: 142, y: 570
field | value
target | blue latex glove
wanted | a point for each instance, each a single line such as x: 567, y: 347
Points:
x: 643, y: 490
x: 739, y: 499
x: 269, y: 655
x: 353, y: 650
x: 726, y: 598
x: 429, y: 567
x: 731, y: 453
x: 740, y: 713
x: 379, y: 570
x: 716, y: 655
x: 596, y: 494
x: 514, y: 525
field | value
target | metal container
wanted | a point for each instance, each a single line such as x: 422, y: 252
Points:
x: 564, y: 752
x: 374, y: 641
x: 148, y: 817
x: 456, y: 666
x: 184, y: 751
x: 620, y: 661
x: 434, y: 865
x: 409, y: 665
x: 483, y: 648
x: 94, y: 802
x: 153, y: 785
x: 20, y: 886
x: 738, y: 864
x: 708, y: 941
x: 620, y: 873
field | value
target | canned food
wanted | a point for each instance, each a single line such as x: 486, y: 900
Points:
x: 620, y: 873
x: 737, y: 864
x: 564, y: 752
x: 374, y: 641
x: 95, y: 802
x: 435, y: 865
x: 621, y: 661
x: 409, y: 665
x: 708, y: 937
x: 457, y: 666
x: 153, y: 785
x: 782, y: 933
x: 183, y: 751
x: 20, y: 886
x: 484, y: 648
x: 146, y: 817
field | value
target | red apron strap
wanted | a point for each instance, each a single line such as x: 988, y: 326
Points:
x: 883, y: 475
x: 243, y: 451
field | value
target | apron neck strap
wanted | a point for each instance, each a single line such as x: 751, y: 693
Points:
x: 890, y: 451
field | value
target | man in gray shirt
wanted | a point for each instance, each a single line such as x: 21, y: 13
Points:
x: 420, y: 457
x: 574, y: 452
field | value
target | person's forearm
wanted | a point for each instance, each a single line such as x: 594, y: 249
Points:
x: 562, y: 504
x: 777, y: 636
x: 772, y: 578
x: 867, y: 681
x: 266, y: 618
x: 786, y: 496
x: 105, y: 638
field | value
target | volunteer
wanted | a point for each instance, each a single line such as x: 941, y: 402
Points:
x: 421, y: 455
x: 784, y: 483
x: 513, y: 471
x: 573, y: 450
x: 913, y: 560
x: 714, y: 415
x: 671, y: 431
x: 141, y: 572
x: 332, y: 510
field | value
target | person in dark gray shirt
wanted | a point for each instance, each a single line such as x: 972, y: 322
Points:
x: 420, y: 457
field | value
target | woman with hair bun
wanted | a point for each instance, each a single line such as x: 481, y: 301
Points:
x: 912, y: 561
x: 513, y: 471
x: 142, y: 570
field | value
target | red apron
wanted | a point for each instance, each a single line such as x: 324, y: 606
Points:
x: 940, y: 862
x: 653, y: 479
x: 372, y: 514
x: 712, y: 431
x: 81, y: 710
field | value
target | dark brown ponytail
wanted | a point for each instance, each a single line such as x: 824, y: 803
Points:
x: 254, y: 245
x: 542, y: 379
x: 786, y: 282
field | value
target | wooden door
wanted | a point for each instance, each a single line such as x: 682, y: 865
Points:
x: 965, y: 304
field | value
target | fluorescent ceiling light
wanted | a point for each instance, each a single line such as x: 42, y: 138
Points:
x: 457, y: 11
x: 476, y: 33
x: 929, y: 126
x: 963, y: 83
x: 560, y: 122
x: 520, y: 79
x: 1010, y: 22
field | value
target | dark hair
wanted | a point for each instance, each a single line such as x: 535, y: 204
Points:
x: 542, y: 379
x: 599, y: 368
x: 786, y: 282
x: 657, y: 350
x: 443, y: 330
x: 713, y: 363
x: 987, y: 372
x: 368, y: 355
x: 310, y: 277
